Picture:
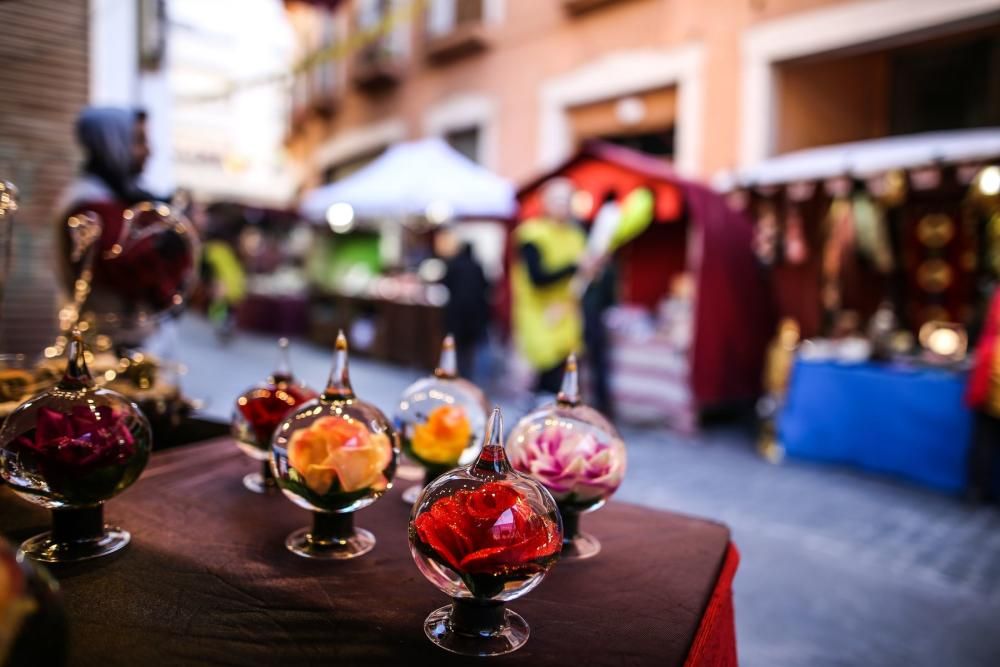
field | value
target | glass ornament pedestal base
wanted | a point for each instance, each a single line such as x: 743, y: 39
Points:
x: 77, y: 534
x: 577, y: 545
x: 261, y: 482
x: 467, y: 627
x: 331, y: 537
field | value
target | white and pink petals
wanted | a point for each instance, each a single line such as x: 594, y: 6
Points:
x: 571, y: 463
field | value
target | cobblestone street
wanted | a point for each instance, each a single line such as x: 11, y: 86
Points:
x: 837, y: 568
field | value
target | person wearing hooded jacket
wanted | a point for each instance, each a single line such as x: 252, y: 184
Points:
x: 115, y: 148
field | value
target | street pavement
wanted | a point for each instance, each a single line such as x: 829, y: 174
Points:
x: 838, y: 567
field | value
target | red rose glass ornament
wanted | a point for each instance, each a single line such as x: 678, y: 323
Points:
x: 333, y: 456
x: 440, y: 420
x: 70, y: 449
x: 483, y: 534
x: 576, y: 454
x: 258, y: 412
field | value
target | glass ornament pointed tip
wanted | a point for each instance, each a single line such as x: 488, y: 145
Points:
x: 448, y: 362
x: 569, y: 391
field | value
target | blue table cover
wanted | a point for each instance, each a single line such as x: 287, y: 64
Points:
x: 907, y: 422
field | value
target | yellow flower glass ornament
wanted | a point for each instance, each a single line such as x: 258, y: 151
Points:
x: 441, y: 420
x: 333, y: 456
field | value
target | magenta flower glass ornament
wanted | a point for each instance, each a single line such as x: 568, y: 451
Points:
x: 441, y: 420
x: 576, y: 453
x: 258, y: 412
x: 334, y: 455
x: 70, y: 449
x: 483, y: 534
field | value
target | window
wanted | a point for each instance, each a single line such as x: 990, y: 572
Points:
x: 456, y: 28
x: 325, y: 69
x: 945, y: 86
x: 347, y: 167
x: 445, y: 16
x: 465, y: 141
x: 947, y: 83
x: 645, y: 121
x: 378, y: 64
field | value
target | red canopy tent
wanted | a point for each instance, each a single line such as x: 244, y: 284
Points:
x: 693, y: 230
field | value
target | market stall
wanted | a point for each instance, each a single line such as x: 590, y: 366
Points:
x: 692, y: 316
x: 869, y: 246
x: 846, y: 227
x: 373, y: 264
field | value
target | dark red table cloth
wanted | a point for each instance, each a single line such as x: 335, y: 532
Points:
x: 207, y: 580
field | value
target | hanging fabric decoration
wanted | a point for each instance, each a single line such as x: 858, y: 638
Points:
x: 872, y: 232
x: 888, y: 189
x: 796, y: 250
x: 765, y: 240
x: 840, y: 234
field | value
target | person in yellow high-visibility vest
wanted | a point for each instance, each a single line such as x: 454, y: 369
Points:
x: 547, y: 320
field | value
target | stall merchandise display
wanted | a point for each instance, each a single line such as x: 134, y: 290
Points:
x: 70, y: 449
x: 576, y: 454
x: 334, y: 455
x: 441, y: 420
x: 258, y: 412
x: 483, y: 534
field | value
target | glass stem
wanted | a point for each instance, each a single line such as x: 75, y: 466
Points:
x: 477, y: 617
x: 266, y: 474
x: 571, y: 525
x: 77, y: 524
x: 331, y: 527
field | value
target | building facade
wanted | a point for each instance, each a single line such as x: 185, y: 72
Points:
x: 711, y: 85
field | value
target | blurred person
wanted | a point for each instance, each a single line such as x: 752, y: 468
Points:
x: 467, y: 313
x: 546, y: 311
x: 115, y: 149
x: 983, y: 396
x: 614, y: 225
x: 779, y: 360
x: 222, y: 273
x: 598, y: 271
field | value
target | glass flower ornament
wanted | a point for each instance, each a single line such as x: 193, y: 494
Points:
x: 441, y: 420
x: 333, y: 456
x: 483, y: 534
x: 70, y: 449
x: 258, y: 412
x: 142, y: 266
x: 33, y: 629
x: 576, y: 453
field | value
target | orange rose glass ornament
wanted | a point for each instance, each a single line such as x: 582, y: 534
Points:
x: 484, y: 534
x: 260, y: 410
x: 333, y: 456
x: 441, y: 420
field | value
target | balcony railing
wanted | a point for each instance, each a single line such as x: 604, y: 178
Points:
x: 377, y: 66
x: 581, y: 6
x: 455, y: 28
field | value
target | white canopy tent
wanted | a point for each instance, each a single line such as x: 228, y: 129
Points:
x: 866, y: 158
x: 416, y: 178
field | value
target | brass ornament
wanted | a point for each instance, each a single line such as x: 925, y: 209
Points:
x: 935, y: 230
x: 934, y: 276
